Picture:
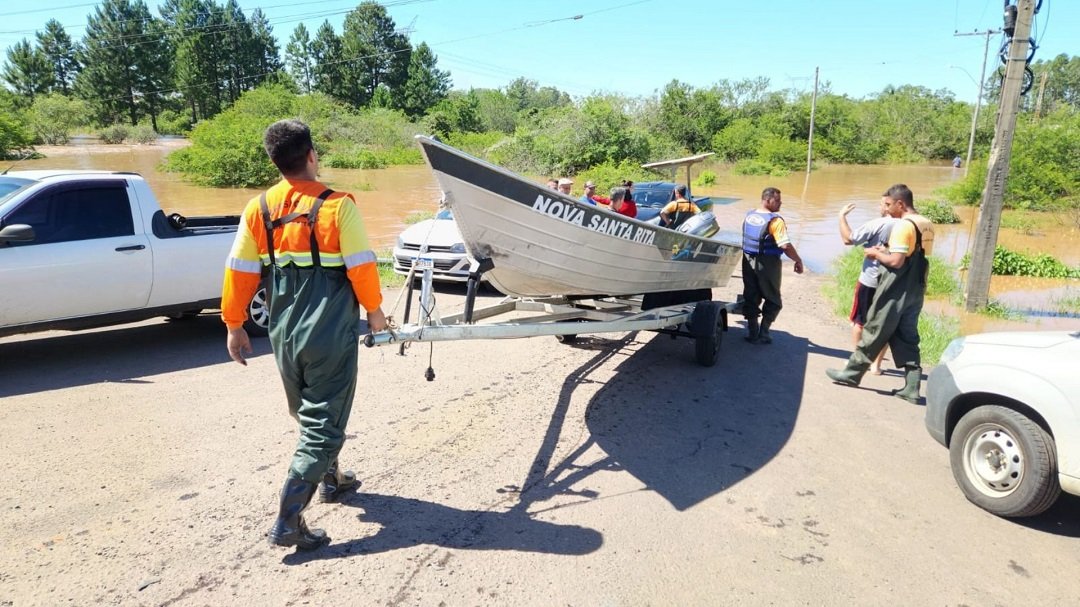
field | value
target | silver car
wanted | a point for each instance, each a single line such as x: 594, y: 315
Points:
x: 1007, y: 405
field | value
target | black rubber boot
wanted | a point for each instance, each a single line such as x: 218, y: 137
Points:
x: 850, y: 375
x: 336, y: 483
x: 289, y: 528
x: 751, y: 329
x: 763, y: 334
x: 912, y: 381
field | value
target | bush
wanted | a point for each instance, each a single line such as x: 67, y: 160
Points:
x: 356, y: 158
x: 15, y: 138
x: 171, y: 122
x: 706, y: 178
x: 143, y: 134
x: 939, y: 212
x: 53, y: 117
x: 1012, y: 263
x: 114, y: 134
x: 608, y: 175
x: 476, y: 144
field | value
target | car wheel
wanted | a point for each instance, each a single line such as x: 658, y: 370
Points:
x: 258, y: 322
x: 1004, y: 462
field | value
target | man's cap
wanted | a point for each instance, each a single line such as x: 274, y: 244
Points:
x: 566, y: 181
x: 590, y: 184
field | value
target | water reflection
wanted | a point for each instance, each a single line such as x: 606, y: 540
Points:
x: 387, y: 196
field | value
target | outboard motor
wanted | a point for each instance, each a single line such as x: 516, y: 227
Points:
x: 703, y: 224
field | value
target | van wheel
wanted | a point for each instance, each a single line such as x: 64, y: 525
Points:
x: 1004, y: 462
x: 258, y: 322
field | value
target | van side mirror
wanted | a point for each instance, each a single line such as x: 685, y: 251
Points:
x: 19, y: 232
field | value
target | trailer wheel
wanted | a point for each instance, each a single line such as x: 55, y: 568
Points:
x: 707, y: 324
x: 566, y: 339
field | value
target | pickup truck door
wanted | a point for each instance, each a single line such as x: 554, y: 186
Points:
x: 86, y: 258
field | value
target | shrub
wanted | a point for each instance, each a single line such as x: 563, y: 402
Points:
x: 356, y: 158
x: 114, y: 134
x: 752, y: 167
x: 609, y: 174
x: 143, y: 134
x: 1012, y: 263
x: 15, y: 138
x: 171, y: 122
x: 706, y: 178
x: 52, y: 117
x: 476, y: 144
x: 939, y: 212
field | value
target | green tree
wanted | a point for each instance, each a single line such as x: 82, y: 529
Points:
x: 27, y: 70
x: 327, y: 55
x: 299, y: 59
x: 194, y: 27
x: 267, y: 56
x: 52, y: 117
x: 426, y: 84
x: 377, y: 54
x: 60, y: 52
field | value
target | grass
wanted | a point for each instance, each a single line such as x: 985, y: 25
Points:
x: 1070, y: 304
x: 388, y: 279
x: 418, y: 216
x: 996, y: 309
x: 935, y: 330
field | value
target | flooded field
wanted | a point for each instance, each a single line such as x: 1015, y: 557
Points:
x: 387, y: 196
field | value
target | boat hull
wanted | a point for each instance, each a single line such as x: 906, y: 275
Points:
x: 544, y: 243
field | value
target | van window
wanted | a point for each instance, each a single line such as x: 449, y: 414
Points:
x: 76, y: 214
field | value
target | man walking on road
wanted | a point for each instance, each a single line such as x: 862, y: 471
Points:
x: 320, y: 266
x: 765, y: 239
x: 893, y: 317
x: 870, y: 234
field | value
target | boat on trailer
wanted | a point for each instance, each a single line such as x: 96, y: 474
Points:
x: 567, y: 267
x: 541, y: 242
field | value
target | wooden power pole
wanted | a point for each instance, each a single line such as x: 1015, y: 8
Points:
x: 1042, y: 87
x: 810, y: 139
x: 977, y: 290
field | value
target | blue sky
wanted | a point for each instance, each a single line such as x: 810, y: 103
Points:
x: 636, y: 46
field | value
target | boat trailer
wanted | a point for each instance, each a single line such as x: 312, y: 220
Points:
x: 560, y: 316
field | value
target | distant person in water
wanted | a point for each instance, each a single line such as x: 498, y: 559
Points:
x: 956, y: 162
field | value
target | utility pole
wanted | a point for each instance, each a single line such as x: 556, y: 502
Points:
x: 810, y: 139
x: 979, y: 98
x: 977, y: 290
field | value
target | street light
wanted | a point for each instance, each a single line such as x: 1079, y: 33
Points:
x: 975, y: 114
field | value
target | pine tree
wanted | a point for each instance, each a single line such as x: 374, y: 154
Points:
x: 118, y: 35
x: 377, y: 54
x: 194, y: 27
x: 299, y: 59
x: 27, y: 71
x: 426, y: 84
x: 267, y: 56
x: 327, y: 60
x: 60, y: 52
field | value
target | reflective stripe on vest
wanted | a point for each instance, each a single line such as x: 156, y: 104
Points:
x: 756, y: 237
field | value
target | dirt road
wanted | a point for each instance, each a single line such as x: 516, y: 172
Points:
x: 143, y: 469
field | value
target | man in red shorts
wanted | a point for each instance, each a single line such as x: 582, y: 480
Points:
x: 872, y: 233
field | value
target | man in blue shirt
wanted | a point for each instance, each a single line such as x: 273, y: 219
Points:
x: 590, y: 191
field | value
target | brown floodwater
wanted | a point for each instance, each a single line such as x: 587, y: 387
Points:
x: 387, y: 196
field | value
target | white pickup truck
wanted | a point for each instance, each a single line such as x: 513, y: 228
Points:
x: 81, y: 249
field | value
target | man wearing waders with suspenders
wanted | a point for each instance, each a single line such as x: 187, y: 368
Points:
x: 893, y: 317
x: 313, y: 243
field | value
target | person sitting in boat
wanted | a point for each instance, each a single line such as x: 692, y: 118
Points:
x: 679, y: 210
x: 629, y: 185
x: 621, y: 202
x: 553, y: 183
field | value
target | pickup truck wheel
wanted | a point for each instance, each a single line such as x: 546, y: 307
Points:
x: 258, y: 322
x: 1004, y: 462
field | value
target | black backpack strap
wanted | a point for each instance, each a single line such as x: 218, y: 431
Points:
x: 268, y: 223
x: 312, y: 219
